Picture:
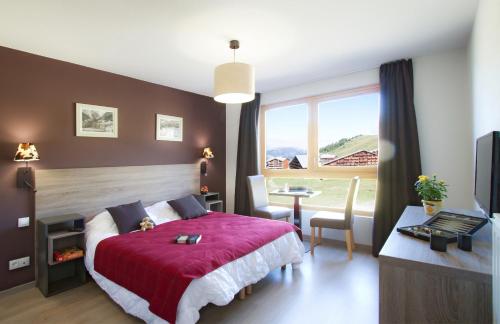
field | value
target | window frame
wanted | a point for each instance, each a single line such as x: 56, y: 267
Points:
x: 314, y: 170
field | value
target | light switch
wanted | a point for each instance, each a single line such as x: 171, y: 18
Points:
x: 23, y: 222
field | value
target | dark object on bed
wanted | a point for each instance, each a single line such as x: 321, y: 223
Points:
x: 128, y: 217
x: 188, y: 207
x: 445, y: 224
x: 188, y: 238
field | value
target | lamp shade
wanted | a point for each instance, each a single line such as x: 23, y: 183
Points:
x: 234, y: 83
x: 26, y: 152
x: 207, y: 153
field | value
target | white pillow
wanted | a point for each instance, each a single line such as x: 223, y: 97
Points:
x: 102, y: 222
x: 162, y: 212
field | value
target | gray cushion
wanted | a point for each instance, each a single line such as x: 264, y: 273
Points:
x: 188, y: 207
x: 329, y: 220
x: 127, y: 217
x: 272, y: 212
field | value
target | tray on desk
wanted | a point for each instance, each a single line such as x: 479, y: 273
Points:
x: 446, y: 224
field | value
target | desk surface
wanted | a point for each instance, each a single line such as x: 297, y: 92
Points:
x: 303, y: 194
x: 403, y: 247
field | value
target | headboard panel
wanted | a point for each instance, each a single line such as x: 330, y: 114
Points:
x: 89, y: 190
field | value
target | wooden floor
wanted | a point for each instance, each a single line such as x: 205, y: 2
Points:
x: 326, y: 288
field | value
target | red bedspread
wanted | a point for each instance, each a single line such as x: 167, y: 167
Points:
x: 152, y: 266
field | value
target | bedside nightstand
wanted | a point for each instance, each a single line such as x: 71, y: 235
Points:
x: 56, y: 233
x: 211, y: 201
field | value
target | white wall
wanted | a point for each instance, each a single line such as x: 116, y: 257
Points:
x: 484, y: 53
x: 232, y: 127
x: 442, y: 105
x: 348, y: 81
x: 443, y: 117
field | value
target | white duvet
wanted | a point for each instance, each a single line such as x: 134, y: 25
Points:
x: 218, y: 287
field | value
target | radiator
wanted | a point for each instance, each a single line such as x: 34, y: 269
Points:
x: 496, y: 268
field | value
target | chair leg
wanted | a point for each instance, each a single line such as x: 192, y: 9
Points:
x: 352, y: 240
x: 248, y: 289
x: 313, y: 233
x: 348, y: 242
x: 319, y: 234
x: 287, y: 219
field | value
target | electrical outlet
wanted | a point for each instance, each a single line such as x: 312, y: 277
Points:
x: 19, y: 263
x: 23, y: 222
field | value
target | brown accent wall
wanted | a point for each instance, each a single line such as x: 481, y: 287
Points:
x: 37, y: 104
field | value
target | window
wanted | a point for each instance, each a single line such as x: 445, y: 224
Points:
x: 286, y: 136
x: 321, y: 143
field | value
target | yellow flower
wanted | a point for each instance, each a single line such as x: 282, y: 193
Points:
x: 423, y: 178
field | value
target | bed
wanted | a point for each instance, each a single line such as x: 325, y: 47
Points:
x: 218, y: 286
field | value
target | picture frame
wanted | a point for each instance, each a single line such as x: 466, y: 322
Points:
x: 96, y: 121
x: 169, y: 128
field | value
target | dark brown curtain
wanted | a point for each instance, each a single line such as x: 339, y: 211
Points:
x: 247, y: 163
x: 398, y: 129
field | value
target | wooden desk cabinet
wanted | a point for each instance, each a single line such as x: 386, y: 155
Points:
x: 419, y: 285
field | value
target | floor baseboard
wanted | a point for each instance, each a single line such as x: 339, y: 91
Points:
x: 16, y: 289
x: 362, y: 247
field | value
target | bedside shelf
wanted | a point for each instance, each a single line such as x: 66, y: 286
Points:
x: 58, y: 233
x: 61, y: 234
x: 63, y: 285
x: 211, y: 201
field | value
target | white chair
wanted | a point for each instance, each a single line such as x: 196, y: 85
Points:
x: 259, y: 203
x: 340, y: 221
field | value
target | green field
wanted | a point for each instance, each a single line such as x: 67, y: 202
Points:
x: 354, y: 144
x: 333, y: 192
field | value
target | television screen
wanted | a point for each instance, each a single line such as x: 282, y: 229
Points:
x: 487, y: 184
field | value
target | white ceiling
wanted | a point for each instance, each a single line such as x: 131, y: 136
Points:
x: 178, y: 43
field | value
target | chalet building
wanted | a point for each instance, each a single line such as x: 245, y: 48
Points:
x: 299, y: 162
x: 360, y: 158
x: 325, y: 158
x: 277, y: 163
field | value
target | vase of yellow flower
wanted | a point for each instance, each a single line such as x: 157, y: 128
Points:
x: 432, y: 191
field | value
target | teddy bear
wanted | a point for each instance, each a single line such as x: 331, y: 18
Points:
x: 147, y: 224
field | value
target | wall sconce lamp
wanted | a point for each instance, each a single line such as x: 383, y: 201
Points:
x: 26, y: 152
x: 207, y: 154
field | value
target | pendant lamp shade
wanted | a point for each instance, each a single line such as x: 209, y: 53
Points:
x: 234, y: 82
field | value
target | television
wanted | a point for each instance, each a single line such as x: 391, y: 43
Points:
x: 487, y: 180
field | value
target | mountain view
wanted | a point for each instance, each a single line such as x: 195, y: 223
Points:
x: 339, y: 148
x: 347, y: 146
x: 286, y: 152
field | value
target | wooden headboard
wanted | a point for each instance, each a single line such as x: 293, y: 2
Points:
x: 88, y: 191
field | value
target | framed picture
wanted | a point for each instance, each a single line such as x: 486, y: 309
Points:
x: 168, y: 128
x: 96, y: 121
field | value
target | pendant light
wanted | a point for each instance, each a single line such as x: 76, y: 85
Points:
x: 234, y: 82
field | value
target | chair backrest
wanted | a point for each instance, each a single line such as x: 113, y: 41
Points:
x: 351, y: 200
x: 257, y: 192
